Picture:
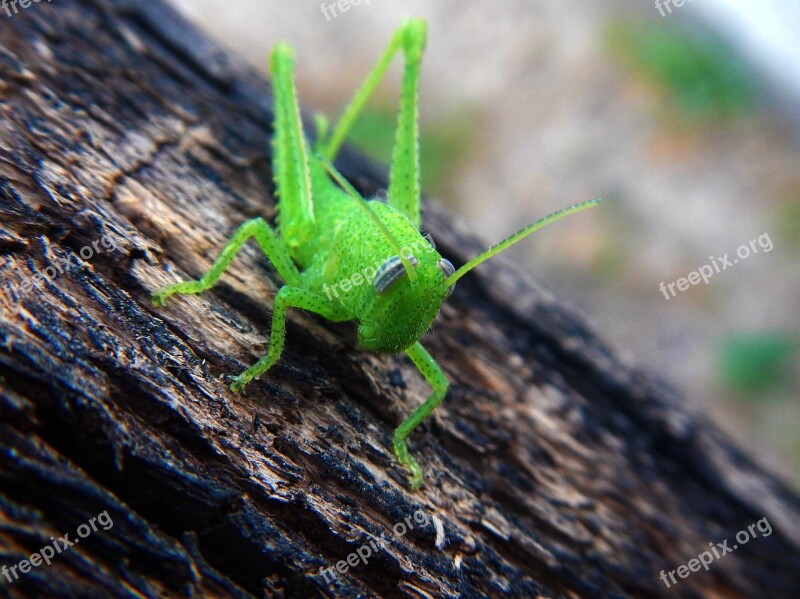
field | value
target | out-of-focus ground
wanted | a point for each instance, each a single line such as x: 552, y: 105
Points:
x: 530, y: 106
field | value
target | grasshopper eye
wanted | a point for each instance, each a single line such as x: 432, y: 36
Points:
x: 390, y: 272
x: 447, y: 269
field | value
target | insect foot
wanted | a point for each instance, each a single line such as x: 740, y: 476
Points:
x: 237, y: 386
x: 409, y: 463
x: 315, y: 245
x: 159, y: 298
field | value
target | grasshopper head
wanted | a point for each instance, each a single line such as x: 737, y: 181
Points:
x: 409, y: 291
x: 402, y: 310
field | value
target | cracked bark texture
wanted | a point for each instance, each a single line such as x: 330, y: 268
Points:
x: 554, y: 468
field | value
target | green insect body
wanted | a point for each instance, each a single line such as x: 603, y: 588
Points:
x: 346, y: 258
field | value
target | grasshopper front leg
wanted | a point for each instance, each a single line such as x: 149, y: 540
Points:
x: 436, y: 379
x: 287, y: 297
x: 271, y: 245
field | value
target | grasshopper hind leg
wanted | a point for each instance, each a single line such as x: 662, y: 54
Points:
x: 404, y: 183
x: 290, y: 162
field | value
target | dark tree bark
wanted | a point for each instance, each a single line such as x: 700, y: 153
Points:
x: 554, y: 469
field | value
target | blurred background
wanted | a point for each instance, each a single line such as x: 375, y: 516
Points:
x: 686, y: 119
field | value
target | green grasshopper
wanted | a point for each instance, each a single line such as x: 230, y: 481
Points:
x: 346, y: 258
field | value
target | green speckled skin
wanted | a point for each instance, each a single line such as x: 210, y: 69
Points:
x: 328, y: 248
x: 339, y: 254
x: 392, y: 321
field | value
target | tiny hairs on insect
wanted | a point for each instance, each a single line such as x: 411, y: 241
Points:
x: 346, y: 258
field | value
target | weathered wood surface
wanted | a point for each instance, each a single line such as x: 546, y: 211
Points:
x: 553, y: 469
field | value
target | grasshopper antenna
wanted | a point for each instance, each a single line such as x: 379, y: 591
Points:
x: 518, y: 236
x: 345, y: 184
